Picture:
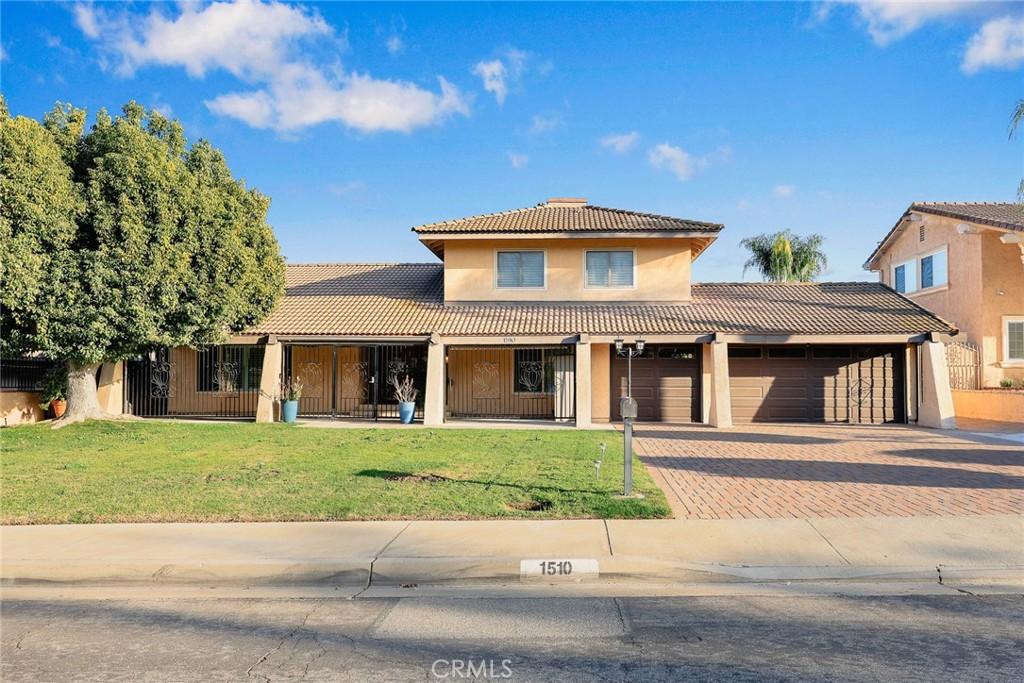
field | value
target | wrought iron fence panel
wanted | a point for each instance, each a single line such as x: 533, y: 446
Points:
x: 511, y: 382
x: 23, y: 374
x: 964, y: 362
x: 354, y: 380
x: 214, y: 381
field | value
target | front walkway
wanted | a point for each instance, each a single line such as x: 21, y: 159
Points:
x: 776, y: 471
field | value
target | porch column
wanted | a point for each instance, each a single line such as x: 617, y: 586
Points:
x: 720, y: 414
x: 433, y: 396
x: 110, y: 388
x: 936, y: 409
x: 270, y: 382
x: 583, y: 383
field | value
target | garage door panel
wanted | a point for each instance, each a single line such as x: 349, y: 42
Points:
x: 667, y: 389
x: 830, y: 384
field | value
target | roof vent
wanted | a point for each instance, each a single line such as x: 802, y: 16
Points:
x: 568, y: 202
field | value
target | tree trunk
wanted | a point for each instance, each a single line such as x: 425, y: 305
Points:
x: 82, y: 402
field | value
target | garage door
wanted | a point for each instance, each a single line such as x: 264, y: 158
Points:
x: 859, y: 384
x: 666, y: 384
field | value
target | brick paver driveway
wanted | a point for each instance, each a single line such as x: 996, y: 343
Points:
x: 773, y: 471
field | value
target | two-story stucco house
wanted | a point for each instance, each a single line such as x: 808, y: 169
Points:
x: 518, y: 318
x: 964, y: 262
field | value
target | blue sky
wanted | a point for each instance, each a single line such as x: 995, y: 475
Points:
x: 362, y: 120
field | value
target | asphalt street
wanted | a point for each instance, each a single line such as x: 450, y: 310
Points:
x: 954, y: 637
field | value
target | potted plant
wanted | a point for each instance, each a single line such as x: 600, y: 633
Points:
x: 291, y: 392
x: 405, y: 394
x: 55, y: 391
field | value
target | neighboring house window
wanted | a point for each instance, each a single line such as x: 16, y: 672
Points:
x: 229, y: 368
x: 1013, y: 339
x: 904, y: 277
x: 933, y: 270
x: 610, y: 268
x: 520, y: 269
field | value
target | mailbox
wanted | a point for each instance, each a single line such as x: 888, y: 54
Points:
x: 627, y: 407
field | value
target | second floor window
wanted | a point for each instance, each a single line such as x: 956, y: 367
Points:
x: 900, y: 284
x: 520, y: 269
x: 610, y: 268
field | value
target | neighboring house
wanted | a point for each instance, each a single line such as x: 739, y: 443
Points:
x: 520, y: 317
x: 964, y: 262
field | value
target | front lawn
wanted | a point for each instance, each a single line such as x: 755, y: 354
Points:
x: 151, y: 471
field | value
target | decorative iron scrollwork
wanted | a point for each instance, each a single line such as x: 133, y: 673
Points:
x: 161, y: 379
x: 353, y: 381
x: 861, y: 391
x: 311, y: 375
x: 225, y: 376
x: 397, y: 369
x: 531, y: 375
x: 485, y: 379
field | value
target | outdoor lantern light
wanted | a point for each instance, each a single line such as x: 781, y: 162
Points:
x: 618, y: 344
x: 639, y: 344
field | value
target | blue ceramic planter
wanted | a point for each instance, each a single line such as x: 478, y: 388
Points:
x: 406, y: 411
x: 289, y: 411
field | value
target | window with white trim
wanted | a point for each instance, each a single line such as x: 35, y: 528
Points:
x: 934, y: 269
x: 610, y: 268
x: 904, y: 277
x: 1013, y: 339
x: 520, y: 269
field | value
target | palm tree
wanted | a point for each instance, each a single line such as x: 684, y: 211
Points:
x: 786, y: 257
x: 1016, y: 119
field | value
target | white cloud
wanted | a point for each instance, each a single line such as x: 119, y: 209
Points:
x: 254, y: 108
x: 673, y: 158
x: 258, y: 42
x: 518, y: 160
x: 620, y: 143
x: 493, y: 76
x: 499, y: 74
x: 86, y: 20
x: 346, y: 189
x: 999, y: 44
x: 888, y: 21
x: 395, y: 44
x: 783, y: 191
x: 543, y: 124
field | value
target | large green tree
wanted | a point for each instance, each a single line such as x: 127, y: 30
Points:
x: 786, y: 257
x: 121, y: 238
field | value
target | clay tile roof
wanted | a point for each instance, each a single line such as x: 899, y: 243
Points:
x: 358, y: 299
x: 394, y: 300
x: 1005, y: 215
x: 1008, y: 215
x: 564, y: 215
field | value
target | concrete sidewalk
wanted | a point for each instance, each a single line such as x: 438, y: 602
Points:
x: 386, y: 554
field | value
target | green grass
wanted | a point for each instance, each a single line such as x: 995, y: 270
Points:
x: 150, y: 471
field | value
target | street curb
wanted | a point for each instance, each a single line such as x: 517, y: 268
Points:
x: 448, y: 571
x: 333, y: 572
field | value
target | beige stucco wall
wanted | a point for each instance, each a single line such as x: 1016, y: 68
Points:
x: 662, y: 270
x: 986, y: 281
x: 1000, y: 406
x: 600, y: 386
x: 19, y: 407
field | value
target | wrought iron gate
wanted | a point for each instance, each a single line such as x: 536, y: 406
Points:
x: 354, y: 381
x: 964, y: 362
